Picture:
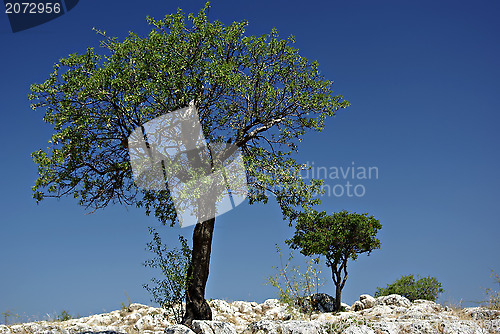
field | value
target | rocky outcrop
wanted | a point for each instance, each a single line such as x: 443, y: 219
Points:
x: 384, y: 315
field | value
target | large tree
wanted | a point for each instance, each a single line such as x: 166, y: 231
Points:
x: 256, y: 93
x: 339, y: 237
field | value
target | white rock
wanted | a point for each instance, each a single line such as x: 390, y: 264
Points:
x: 263, y: 326
x: 131, y: 318
x: 363, y: 329
x: 243, y: 307
x: 427, y: 305
x: 221, y: 306
x: 213, y: 327
x: 302, y: 327
x: 357, y: 306
x: 380, y: 311
x: 395, y: 300
x: 200, y: 326
x: 462, y: 327
x: 270, y: 303
x: 481, y: 313
x: 367, y: 301
x: 4, y: 330
x: 178, y: 329
x: 346, y: 307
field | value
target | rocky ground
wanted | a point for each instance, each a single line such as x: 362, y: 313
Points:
x: 384, y: 315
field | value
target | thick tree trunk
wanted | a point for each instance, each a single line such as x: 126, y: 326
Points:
x: 197, y: 307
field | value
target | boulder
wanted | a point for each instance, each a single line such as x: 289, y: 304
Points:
x: 322, y: 302
x: 367, y: 301
x: 212, y: 327
x: 178, y: 329
x: 357, y: 306
x: 393, y: 299
x: 345, y: 307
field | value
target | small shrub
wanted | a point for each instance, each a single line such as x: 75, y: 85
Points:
x: 294, y: 286
x: 425, y: 288
x: 169, y: 292
x: 493, y: 301
x: 64, y: 315
x: 126, y: 306
x: 7, y: 315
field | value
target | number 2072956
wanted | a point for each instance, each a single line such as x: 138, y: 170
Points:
x: 32, y: 8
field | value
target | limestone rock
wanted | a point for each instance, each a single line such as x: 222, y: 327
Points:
x: 178, y: 329
x: 212, y: 327
x: 363, y: 329
x: 302, y: 327
x: 263, y: 327
x: 357, y: 306
x: 395, y: 300
x: 322, y: 302
x: 367, y: 301
x: 221, y: 306
x: 482, y: 313
x: 389, y: 315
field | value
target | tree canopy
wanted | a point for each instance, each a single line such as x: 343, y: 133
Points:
x: 255, y: 92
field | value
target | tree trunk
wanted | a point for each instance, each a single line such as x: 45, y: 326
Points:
x: 338, y: 292
x: 338, y: 287
x: 197, y: 307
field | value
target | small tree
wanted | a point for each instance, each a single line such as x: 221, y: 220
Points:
x: 339, y: 237
x: 296, y: 287
x: 170, y: 291
x: 425, y: 288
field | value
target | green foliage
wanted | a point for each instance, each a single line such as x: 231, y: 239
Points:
x: 255, y: 92
x: 64, y: 315
x: 169, y: 292
x: 339, y: 237
x: 295, y: 286
x: 126, y: 306
x: 424, y: 288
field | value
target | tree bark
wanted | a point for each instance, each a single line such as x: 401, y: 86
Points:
x: 197, y: 307
x: 338, y: 292
x: 338, y: 287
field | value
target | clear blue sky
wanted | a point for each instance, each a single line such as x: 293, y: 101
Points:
x: 422, y: 78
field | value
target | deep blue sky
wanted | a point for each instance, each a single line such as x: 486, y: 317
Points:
x: 422, y: 78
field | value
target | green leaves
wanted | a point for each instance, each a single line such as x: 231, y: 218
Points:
x: 425, y: 288
x: 255, y: 92
x: 169, y: 292
x: 339, y: 236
